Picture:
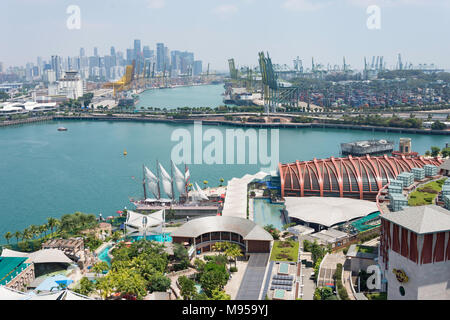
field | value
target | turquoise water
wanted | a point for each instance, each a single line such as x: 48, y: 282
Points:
x: 103, y: 255
x: 195, y: 96
x: 266, y: 213
x: 47, y: 173
x: 156, y: 237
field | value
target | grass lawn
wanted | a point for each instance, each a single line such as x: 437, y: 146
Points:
x: 285, y: 251
x: 377, y: 296
x: 421, y: 197
x: 365, y: 249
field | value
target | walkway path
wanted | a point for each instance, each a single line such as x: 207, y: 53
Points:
x: 251, y: 284
x: 328, y: 268
x: 346, y: 275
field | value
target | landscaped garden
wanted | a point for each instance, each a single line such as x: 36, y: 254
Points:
x: 365, y: 249
x: 426, y: 194
x: 285, y: 251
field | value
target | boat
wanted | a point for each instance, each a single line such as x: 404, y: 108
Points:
x: 62, y: 129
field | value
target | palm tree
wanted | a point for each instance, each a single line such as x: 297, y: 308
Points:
x: 8, y: 236
x: 43, y: 229
x: 221, y: 181
x: 52, y: 223
x: 27, y: 234
x: 17, y: 235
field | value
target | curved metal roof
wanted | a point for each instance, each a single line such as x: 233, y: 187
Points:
x: 328, y: 211
x: 357, y: 177
x: 246, y: 228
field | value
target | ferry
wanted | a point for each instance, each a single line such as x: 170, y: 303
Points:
x: 62, y: 129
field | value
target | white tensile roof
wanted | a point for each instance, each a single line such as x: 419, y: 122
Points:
x: 136, y: 220
x: 41, y: 256
x: 236, y: 197
x: 328, y: 211
x: 11, y: 294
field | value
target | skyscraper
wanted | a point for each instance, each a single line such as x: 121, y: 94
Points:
x: 113, y: 52
x: 160, y: 56
x: 56, y: 66
x: 197, y: 67
x: 147, y: 52
x: 95, y: 52
x: 137, y: 48
x: 82, y: 52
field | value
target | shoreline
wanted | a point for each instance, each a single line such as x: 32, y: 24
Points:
x: 191, y: 120
x: 257, y: 125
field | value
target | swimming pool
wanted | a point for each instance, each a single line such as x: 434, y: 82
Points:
x: 265, y: 213
x: 103, y: 255
x: 156, y: 237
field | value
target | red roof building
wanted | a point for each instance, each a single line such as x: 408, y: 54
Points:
x: 350, y: 177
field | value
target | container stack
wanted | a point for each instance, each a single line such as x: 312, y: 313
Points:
x: 407, y: 178
x: 447, y: 202
x: 397, y: 201
x: 397, y: 183
x: 419, y: 173
x: 430, y: 170
x: 394, y: 189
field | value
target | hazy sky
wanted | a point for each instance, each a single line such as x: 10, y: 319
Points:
x: 220, y: 29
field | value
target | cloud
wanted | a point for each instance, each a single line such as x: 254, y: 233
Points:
x: 156, y: 4
x: 304, y: 5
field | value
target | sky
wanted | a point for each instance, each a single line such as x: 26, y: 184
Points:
x: 216, y: 30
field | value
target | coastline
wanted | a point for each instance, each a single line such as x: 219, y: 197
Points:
x: 191, y: 120
x: 257, y: 125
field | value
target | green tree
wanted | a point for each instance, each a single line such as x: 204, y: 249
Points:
x: 218, y: 294
x: 187, y: 288
x: 8, y: 236
x: 86, y: 287
x: 437, y: 125
x: 99, y: 267
x: 17, y: 235
x: 323, y: 293
x: 435, y: 151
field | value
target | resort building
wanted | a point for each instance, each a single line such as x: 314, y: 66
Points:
x: 203, y: 233
x: 16, y: 273
x: 415, y: 253
x: 350, y: 177
x: 45, y: 260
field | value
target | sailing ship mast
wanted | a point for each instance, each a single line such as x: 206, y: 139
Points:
x: 157, y: 175
x: 143, y: 182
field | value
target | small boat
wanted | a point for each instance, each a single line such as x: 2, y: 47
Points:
x: 62, y: 129
x: 125, y: 152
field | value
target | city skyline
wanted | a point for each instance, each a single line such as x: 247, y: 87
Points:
x: 219, y: 30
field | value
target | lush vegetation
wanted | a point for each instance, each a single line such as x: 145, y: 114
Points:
x: 377, y: 296
x: 342, y: 292
x: 426, y: 194
x: 285, y: 251
x: 274, y: 232
x: 136, y: 269
x: 323, y: 293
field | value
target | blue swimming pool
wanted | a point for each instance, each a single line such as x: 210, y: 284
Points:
x: 265, y: 213
x: 156, y: 237
x: 103, y: 255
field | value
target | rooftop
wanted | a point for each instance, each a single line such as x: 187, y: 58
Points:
x: 422, y: 219
x: 328, y: 211
x: 8, y: 265
x: 246, y: 228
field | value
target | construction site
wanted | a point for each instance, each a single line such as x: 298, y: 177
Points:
x: 138, y: 78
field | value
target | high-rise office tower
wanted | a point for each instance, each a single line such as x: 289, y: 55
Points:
x: 130, y: 56
x: 82, y: 52
x: 113, y: 52
x: 56, y: 66
x: 137, y: 48
x: 197, y: 67
x: 160, y: 56
x: 95, y: 52
x: 147, y: 52
x: 1, y: 67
